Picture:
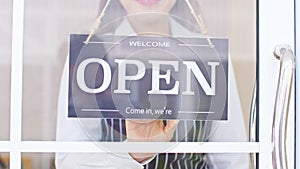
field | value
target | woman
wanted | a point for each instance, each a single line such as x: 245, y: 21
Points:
x: 150, y: 18
x: 2, y: 164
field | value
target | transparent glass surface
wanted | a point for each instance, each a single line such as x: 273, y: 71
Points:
x: 38, y: 160
x: 95, y: 160
x: 5, y: 55
x: 48, y: 25
x: 4, y: 160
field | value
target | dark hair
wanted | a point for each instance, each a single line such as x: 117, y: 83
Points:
x: 115, y: 13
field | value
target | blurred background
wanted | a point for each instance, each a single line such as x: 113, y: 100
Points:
x: 46, y: 34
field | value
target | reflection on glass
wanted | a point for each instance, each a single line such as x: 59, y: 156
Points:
x: 5, y: 53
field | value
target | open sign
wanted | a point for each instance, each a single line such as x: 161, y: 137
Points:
x: 148, y: 78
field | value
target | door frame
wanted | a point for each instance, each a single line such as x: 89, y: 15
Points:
x: 276, y: 26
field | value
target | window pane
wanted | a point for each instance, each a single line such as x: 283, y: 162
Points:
x: 5, y: 55
x: 48, y: 25
x: 4, y: 160
x: 96, y: 160
x: 38, y: 160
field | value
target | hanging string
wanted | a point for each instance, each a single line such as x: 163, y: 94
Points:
x: 200, y: 22
x: 97, y: 22
x: 198, y: 18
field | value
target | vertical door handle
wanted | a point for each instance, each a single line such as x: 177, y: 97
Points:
x: 279, y: 127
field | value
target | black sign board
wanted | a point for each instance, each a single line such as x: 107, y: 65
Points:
x: 148, y: 78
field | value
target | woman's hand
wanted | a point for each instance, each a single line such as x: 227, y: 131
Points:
x: 149, y: 131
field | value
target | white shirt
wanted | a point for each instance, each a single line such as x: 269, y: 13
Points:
x: 70, y: 129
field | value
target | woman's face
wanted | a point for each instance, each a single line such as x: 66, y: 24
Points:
x: 145, y: 6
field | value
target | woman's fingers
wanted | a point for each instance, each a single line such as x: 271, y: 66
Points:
x: 171, y: 125
x: 170, y: 128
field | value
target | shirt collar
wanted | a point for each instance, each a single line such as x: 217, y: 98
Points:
x: 177, y: 29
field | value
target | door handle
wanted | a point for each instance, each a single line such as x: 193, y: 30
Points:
x: 279, y: 127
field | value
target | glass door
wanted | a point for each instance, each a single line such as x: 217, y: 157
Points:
x: 41, y: 131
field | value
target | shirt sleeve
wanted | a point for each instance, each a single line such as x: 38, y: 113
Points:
x: 73, y: 129
x: 232, y: 130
